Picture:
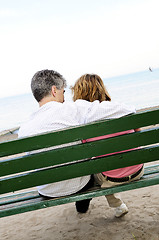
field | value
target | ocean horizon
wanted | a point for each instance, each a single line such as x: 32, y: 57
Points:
x: 140, y: 89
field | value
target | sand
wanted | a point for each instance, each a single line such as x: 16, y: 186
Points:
x: 64, y: 223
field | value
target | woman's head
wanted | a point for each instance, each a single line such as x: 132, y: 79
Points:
x: 90, y: 87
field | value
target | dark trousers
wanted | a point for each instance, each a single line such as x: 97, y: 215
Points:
x: 83, y: 205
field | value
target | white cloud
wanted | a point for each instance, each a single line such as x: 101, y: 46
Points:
x: 110, y: 41
x: 5, y: 13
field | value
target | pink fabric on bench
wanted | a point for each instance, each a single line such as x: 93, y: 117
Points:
x: 120, y: 172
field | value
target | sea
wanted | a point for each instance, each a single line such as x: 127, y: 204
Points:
x: 140, y: 89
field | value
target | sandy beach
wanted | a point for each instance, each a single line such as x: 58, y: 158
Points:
x: 64, y: 223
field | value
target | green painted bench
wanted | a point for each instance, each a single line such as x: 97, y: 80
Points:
x: 56, y: 163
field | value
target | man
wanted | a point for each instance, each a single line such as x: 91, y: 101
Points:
x: 48, y: 89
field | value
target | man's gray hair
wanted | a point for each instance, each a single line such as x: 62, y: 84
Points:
x: 43, y: 81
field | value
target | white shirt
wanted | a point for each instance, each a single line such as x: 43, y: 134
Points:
x: 54, y: 115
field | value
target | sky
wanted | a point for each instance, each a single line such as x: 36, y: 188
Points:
x: 75, y: 37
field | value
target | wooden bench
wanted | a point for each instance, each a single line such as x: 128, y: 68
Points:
x: 72, y: 159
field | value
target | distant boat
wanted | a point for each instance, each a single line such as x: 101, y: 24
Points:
x: 150, y: 69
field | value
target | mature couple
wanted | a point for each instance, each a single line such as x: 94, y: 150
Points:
x: 91, y: 102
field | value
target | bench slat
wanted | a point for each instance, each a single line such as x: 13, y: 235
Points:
x: 74, y: 134
x: 39, y: 203
x: 17, y: 197
x: 151, y: 169
x: 82, y: 151
x: 79, y: 169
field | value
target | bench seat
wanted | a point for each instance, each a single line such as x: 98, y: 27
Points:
x: 29, y: 201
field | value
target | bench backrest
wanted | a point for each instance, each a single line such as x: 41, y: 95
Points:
x: 56, y: 163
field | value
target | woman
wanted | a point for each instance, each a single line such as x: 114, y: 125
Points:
x: 90, y: 87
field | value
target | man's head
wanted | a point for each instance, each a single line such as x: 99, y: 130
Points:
x: 48, y: 84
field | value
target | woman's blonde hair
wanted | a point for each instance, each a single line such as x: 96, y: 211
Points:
x: 90, y: 87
